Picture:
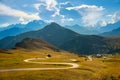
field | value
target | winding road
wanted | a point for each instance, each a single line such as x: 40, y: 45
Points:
x: 72, y: 65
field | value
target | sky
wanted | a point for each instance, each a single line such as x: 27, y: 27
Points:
x: 88, y: 13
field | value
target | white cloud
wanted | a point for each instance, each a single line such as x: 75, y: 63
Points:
x: 64, y: 3
x: 57, y: 12
x: 4, y: 25
x: 51, y: 5
x: 64, y: 20
x: 91, y: 18
x: 23, y: 21
x: 6, y: 10
x: 103, y: 23
x: 110, y: 19
x: 91, y: 14
x: 37, y: 6
x: 115, y: 17
x: 49, y: 21
x: 70, y: 19
x: 83, y: 6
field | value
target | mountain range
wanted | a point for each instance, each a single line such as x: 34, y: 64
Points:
x: 66, y: 39
x: 16, y: 29
x: 82, y: 30
x: 115, y: 32
x: 52, y: 33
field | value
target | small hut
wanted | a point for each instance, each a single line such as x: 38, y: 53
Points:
x: 48, y: 55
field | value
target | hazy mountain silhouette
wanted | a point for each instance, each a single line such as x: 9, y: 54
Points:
x: 82, y: 30
x: 115, y: 32
x: 21, y: 28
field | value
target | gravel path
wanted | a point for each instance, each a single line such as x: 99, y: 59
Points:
x: 72, y: 65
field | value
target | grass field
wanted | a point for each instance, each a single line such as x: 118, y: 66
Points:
x: 88, y: 70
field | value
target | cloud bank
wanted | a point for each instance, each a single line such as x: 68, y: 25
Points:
x: 63, y: 12
x: 91, y: 14
x: 8, y: 11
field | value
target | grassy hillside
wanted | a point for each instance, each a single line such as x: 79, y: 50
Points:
x: 88, y: 70
x: 92, y: 45
x: 34, y: 43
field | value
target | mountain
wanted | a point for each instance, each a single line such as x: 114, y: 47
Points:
x: 110, y: 27
x: 34, y: 43
x: 7, y: 27
x: 21, y: 28
x: 2, y: 28
x: 53, y: 33
x: 92, y: 44
x: 82, y: 30
x: 11, y: 32
x: 115, y: 32
x: 67, y: 40
x: 35, y: 25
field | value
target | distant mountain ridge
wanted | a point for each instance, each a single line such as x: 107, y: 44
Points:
x: 13, y: 30
x: 82, y: 30
x: 67, y: 40
x: 115, y: 32
x: 21, y: 28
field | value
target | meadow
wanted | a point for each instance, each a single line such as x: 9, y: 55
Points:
x: 88, y: 70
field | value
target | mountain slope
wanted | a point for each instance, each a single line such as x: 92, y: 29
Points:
x: 53, y: 33
x: 115, y: 32
x: 92, y: 44
x: 11, y: 32
x: 33, y: 43
x: 67, y: 40
x: 35, y: 25
x: 20, y: 28
x: 57, y: 34
x: 8, y: 27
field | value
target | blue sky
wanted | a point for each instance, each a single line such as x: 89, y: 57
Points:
x: 88, y: 13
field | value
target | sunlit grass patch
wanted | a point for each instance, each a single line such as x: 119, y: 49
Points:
x: 88, y: 70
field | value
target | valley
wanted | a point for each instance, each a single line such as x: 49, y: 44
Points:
x: 57, y: 53
x: 59, y: 39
